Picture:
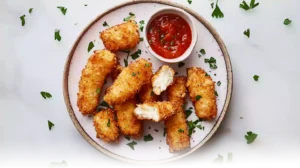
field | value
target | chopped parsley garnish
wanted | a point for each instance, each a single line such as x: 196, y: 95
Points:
x: 212, y: 62
x: 85, y: 5
x: 98, y: 90
x: 30, y: 10
x: 247, y: 33
x: 104, y: 104
x: 190, y: 1
x: 250, y: 137
x: 156, y: 130
x: 202, y: 51
x: 57, y: 35
x: 192, y: 125
x: 219, y: 159
x: 105, y: 24
x: 23, y: 19
x: 131, y: 144
x: 136, y: 54
x: 181, y: 64
x: 62, y: 9
x: 256, y: 77
x: 46, y: 95
x: 201, y: 127
x: 141, y: 39
x: 108, y: 123
x: 133, y: 74
x: 198, y: 97
x: 91, y: 46
x: 127, y: 137
x: 287, y: 21
x: 148, y: 138
x: 147, y: 65
x: 165, y: 131
x: 181, y: 130
x: 142, y: 22
x: 246, y: 7
x: 219, y: 83
x: 206, y: 74
x: 188, y: 113
x: 216, y: 93
x: 217, y: 13
x: 212, y: 5
x: 62, y: 164
x: 131, y: 16
x: 126, y: 59
x: 50, y: 125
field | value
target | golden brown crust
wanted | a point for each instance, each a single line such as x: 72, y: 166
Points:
x: 116, y: 72
x: 128, y: 123
x: 177, y: 128
x: 129, y: 82
x: 146, y: 94
x: 124, y: 36
x: 93, y: 76
x: 200, y: 84
x: 106, y: 125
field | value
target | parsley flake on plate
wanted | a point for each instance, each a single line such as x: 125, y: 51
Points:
x: 136, y: 55
x: 46, y: 95
x: 188, y: 113
x: 212, y: 5
x: 165, y: 131
x: 287, y: 21
x: 201, y: 127
x: 132, y: 144
x: 62, y: 164
x: 127, y: 137
x: 202, y: 51
x: 216, y: 93
x: 23, y: 20
x: 148, y: 138
x: 217, y: 13
x: 212, y: 62
x: 219, y: 83
x: 250, y: 137
x: 190, y: 1
x: 192, y: 125
x: 256, y: 77
x: 142, y: 22
x: 91, y: 46
x: 247, y: 33
x: 63, y: 9
x: 130, y: 17
x: 126, y: 59
x: 50, y: 125
x: 141, y: 39
x: 246, y: 7
x: 105, y: 24
x: 57, y: 35
x: 181, y: 64
x: 30, y: 10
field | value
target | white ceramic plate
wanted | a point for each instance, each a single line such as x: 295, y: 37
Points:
x: 155, y: 151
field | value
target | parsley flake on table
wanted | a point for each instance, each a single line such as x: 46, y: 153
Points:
x: 181, y: 130
x: 57, y: 35
x: 190, y: 1
x: 91, y: 46
x: 181, y: 64
x: 30, y: 10
x: 217, y: 13
x: 108, y: 123
x: 219, y: 83
x: 287, y: 21
x: 130, y: 17
x: 246, y: 7
x: 62, y: 164
x: 219, y: 159
x: 212, y: 62
x: 256, y: 77
x: 50, y: 125
x: 63, y: 9
x: 131, y: 144
x: 148, y: 138
x: 250, y: 137
x: 23, y: 20
x: 105, y: 24
x: 198, y: 97
x: 247, y: 33
x: 46, y: 95
x: 136, y: 54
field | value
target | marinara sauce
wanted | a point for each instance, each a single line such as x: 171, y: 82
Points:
x: 169, y: 35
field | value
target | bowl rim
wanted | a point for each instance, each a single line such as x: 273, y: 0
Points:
x: 141, y: 162
x: 192, y: 25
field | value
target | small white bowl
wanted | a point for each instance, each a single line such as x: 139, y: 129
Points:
x: 187, y: 18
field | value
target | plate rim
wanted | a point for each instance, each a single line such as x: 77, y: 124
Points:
x: 210, y: 28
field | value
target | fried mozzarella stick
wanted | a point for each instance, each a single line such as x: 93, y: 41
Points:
x: 93, y: 76
x: 124, y: 36
x: 202, y: 93
x: 146, y: 94
x: 129, y: 82
x: 106, y: 125
x: 177, y: 129
x: 127, y: 121
x: 162, y: 79
x: 116, y: 72
x: 155, y: 111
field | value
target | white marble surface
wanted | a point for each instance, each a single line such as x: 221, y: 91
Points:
x: 31, y: 61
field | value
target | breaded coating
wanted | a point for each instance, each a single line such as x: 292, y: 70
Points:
x: 177, y: 129
x: 129, y: 82
x: 116, y: 72
x: 127, y: 121
x: 202, y: 87
x: 162, y: 79
x: 155, y: 111
x: 146, y: 94
x: 93, y: 76
x: 124, y: 36
x: 106, y: 125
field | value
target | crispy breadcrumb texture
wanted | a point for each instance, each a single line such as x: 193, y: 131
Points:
x: 128, y: 123
x: 201, y: 89
x: 93, y: 76
x: 146, y: 94
x: 106, y: 125
x: 129, y: 82
x: 116, y: 72
x: 178, y: 138
x: 162, y: 78
x: 124, y: 36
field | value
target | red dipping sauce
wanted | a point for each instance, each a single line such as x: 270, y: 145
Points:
x: 169, y: 35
